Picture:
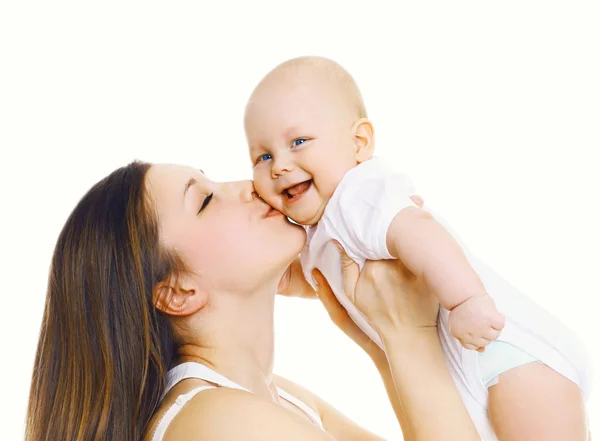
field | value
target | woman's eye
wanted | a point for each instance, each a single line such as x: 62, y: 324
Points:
x: 205, y: 203
x: 264, y: 157
x: 297, y: 142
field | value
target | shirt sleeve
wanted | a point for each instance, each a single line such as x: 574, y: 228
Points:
x: 363, y: 212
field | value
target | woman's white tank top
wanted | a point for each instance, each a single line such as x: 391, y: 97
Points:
x: 202, y: 372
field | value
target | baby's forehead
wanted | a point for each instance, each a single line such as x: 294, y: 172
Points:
x: 294, y: 90
x: 308, y: 81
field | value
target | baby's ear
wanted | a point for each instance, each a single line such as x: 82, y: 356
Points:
x: 364, y: 139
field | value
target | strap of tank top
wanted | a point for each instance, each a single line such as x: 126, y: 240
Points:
x: 172, y: 412
x: 309, y: 411
x: 197, y: 370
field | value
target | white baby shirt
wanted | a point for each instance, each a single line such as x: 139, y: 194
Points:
x: 358, y: 216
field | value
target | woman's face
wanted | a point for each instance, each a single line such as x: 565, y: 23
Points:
x: 223, y: 232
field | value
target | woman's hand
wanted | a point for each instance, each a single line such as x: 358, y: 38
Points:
x: 293, y: 283
x: 391, y: 299
x: 415, y: 374
x: 381, y: 292
x: 389, y: 296
x: 405, y: 314
x: 416, y: 377
x: 339, y: 316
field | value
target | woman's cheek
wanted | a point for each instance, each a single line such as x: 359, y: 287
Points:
x: 230, y: 238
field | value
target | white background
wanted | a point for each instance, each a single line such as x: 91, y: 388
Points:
x: 493, y: 108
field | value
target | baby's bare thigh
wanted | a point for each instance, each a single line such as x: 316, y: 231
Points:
x: 534, y: 402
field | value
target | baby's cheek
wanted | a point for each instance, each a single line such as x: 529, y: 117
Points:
x: 326, y: 186
x: 332, y: 176
x: 268, y: 194
x: 262, y: 185
x: 276, y: 203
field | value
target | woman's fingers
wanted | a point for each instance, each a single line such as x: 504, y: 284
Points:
x: 350, y: 271
x: 323, y: 287
x: 336, y: 312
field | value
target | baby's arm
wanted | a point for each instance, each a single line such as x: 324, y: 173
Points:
x: 429, y: 251
x: 294, y: 284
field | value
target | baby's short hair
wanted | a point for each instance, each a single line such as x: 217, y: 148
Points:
x: 335, y: 72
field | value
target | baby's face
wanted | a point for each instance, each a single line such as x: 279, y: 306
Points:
x: 301, y: 141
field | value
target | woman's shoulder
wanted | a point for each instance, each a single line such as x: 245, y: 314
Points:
x: 294, y: 389
x: 168, y: 401
x: 231, y: 414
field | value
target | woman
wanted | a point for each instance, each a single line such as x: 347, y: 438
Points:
x: 159, y: 267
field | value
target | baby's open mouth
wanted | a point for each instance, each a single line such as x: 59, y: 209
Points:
x: 296, y: 191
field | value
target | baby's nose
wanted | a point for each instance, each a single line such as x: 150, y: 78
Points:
x: 280, y: 166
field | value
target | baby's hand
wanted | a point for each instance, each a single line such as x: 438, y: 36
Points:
x: 476, y: 322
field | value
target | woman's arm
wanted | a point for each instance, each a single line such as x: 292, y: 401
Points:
x: 430, y: 400
x: 432, y: 406
x: 339, y: 316
x: 426, y: 400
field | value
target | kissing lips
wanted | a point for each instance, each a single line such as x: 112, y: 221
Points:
x: 294, y: 193
x: 273, y: 212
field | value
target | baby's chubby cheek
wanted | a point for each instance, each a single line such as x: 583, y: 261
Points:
x: 268, y: 193
x: 325, y: 186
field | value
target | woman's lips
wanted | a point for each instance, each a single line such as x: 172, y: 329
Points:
x: 272, y: 212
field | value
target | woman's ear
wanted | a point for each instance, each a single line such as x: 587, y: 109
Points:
x: 179, y: 296
x: 364, y: 139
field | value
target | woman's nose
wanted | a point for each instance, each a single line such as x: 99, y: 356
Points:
x: 242, y: 190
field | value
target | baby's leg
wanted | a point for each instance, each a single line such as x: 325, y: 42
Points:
x: 534, y: 402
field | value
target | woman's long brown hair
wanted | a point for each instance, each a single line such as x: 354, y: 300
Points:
x: 104, y: 350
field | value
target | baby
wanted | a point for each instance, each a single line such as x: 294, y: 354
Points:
x: 311, y: 146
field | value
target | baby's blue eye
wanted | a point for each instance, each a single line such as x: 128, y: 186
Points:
x: 264, y: 157
x: 299, y: 141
